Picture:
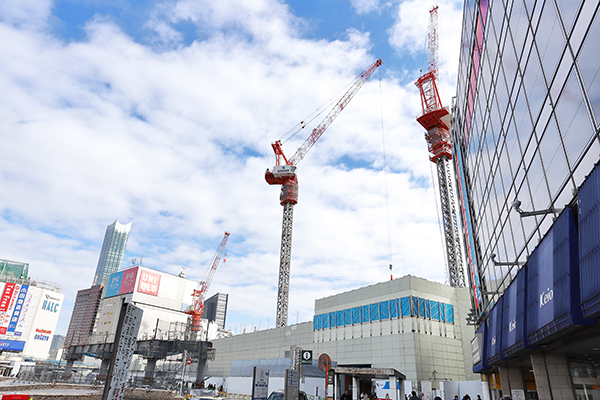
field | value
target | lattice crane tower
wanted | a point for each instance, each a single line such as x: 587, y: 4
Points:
x: 284, y: 174
x: 436, y: 121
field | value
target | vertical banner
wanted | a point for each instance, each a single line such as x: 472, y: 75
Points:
x: 21, y: 296
x: 124, y: 346
x: 23, y: 314
x: 7, y: 303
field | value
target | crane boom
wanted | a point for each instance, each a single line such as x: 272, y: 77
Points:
x: 341, y: 104
x: 284, y: 174
x: 199, y: 294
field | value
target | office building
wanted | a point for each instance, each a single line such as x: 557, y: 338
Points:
x: 525, y: 129
x: 113, y: 250
x: 83, y: 317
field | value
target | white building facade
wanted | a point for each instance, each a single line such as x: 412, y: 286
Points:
x: 411, y: 325
x: 28, y: 316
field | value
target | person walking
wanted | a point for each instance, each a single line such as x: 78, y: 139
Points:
x: 413, y: 396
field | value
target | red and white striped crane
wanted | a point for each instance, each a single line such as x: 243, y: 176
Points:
x: 436, y: 121
x: 199, y: 294
x: 284, y: 174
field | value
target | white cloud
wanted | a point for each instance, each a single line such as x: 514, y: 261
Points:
x: 177, y: 139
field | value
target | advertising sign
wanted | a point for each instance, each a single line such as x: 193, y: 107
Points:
x: 12, y: 345
x: 27, y: 304
x: 114, y: 284
x: 18, y: 309
x: 6, y: 296
x: 128, y: 281
x: 7, y: 305
x: 149, y: 283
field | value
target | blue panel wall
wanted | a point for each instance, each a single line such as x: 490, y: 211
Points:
x: 494, y: 345
x: 396, y: 308
x: 589, y: 243
x: 553, y: 282
x: 483, y: 364
x: 405, y: 306
x: 514, y: 336
x: 347, y: 317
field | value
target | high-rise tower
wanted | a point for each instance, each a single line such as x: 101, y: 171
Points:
x: 113, y: 250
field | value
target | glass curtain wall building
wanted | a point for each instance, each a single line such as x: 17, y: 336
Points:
x: 526, y: 136
x: 112, y: 253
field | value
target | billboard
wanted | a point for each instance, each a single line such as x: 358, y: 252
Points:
x: 149, y: 283
x: 121, y: 282
x: 114, y: 284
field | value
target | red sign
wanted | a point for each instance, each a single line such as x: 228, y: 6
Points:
x: 189, y: 361
x: 128, y: 280
x: 149, y: 283
x: 5, y: 300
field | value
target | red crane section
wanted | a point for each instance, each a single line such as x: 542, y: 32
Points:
x: 199, y: 294
x: 435, y: 118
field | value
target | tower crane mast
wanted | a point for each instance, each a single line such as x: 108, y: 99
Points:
x: 199, y: 294
x: 284, y: 174
x: 436, y: 121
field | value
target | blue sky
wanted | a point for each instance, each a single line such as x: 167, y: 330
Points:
x: 162, y: 113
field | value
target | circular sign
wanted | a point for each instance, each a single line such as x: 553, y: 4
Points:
x: 324, y: 362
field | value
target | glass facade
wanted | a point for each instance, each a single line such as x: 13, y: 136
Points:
x: 113, y: 251
x: 525, y: 127
x: 409, y: 306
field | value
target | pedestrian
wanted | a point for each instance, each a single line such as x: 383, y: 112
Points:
x: 437, y: 398
x: 466, y: 397
x: 346, y: 395
x: 413, y: 396
x: 363, y: 396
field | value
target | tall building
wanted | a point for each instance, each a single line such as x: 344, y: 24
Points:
x: 113, y: 250
x: 83, y: 317
x: 215, y: 309
x: 525, y: 127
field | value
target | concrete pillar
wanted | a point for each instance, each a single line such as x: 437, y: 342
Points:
x: 512, y: 379
x: 149, y: 372
x: 393, y: 390
x: 552, y: 376
x: 355, y: 388
x: 68, y: 369
x: 103, y: 369
x: 201, y: 370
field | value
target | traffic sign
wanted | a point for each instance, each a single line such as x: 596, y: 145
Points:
x: 189, y: 361
x: 306, y: 357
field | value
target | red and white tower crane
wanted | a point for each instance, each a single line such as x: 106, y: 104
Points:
x: 436, y: 121
x: 284, y: 174
x: 199, y: 294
